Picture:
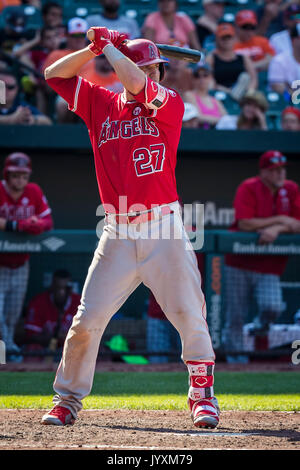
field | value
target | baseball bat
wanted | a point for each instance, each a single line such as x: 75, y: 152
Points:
x: 176, y: 52
x: 181, y: 53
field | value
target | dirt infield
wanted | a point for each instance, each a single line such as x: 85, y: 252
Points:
x: 150, y: 430
x: 109, y: 366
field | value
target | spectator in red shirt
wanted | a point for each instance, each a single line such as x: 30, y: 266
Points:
x: 268, y: 204
x: 257, y: 48
x: 50, y: 313
x: 9, y: 3
x: 23, y: 209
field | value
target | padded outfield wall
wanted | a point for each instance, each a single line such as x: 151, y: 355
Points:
x: 210, y: 166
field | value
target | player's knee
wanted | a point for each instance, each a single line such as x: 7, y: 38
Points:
x: 83, y: 322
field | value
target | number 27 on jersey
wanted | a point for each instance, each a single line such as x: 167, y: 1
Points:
x: 149, y: 161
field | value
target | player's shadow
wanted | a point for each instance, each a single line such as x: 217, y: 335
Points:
x: 162, y: 430
x: 290, y: 435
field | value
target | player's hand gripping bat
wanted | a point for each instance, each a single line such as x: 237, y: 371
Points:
x: 169, y: 51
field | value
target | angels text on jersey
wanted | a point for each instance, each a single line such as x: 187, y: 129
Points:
x: 127, y: 129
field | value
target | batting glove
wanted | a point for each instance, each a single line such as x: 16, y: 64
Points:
x: 103, y: 37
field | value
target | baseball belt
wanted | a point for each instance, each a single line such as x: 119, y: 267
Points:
x: 139, y: 217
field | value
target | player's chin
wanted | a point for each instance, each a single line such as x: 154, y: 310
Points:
x: 154, y: 77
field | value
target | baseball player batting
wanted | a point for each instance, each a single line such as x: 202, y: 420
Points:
x: 135, y: 136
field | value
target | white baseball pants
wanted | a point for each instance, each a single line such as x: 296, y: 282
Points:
x: 13, y: 287
x: 119, y: 265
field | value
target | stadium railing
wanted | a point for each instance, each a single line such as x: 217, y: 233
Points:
x: 75, y: 136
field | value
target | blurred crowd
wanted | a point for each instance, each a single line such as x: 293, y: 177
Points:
x: 250, y: 78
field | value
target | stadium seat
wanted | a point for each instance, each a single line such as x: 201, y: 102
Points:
x: 262, y: 80
x: 137, y: 14
x: 81, y: 10
x: 276, y: 104
x: 188, y: 3
x: 233, y: 6
x: 192, y: 7
x: 81, y: 3
x: 152, y: 4
x: 242, y: 4
x: 276, y: 101
x: 273, y: 120
x: 231, y: 106
x: 33, y: 15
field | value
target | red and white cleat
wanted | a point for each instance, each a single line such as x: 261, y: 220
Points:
x: 58, y: 416
x: 205, y: 413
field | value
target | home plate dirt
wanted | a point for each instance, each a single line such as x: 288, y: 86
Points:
x: 156, y: 430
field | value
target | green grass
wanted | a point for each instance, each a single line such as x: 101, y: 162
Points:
x: 157, y: 390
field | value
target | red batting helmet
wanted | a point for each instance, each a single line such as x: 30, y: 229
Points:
x: 17, y: 161
x: 143, y: 52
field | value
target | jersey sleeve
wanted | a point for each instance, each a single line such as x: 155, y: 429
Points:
x: 41, y: 203
x: 77, y: 92
x: 42, y: 220
x: 244, y: 203
x: 81, y: 96
x: 166, y: 104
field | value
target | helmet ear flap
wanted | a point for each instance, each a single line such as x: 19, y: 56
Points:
x: 161, y: 71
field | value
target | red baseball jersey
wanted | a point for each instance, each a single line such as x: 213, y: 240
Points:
x: 134, y: 143
x: 43, y: 314
x: 31, y: 203
x: 254, y: 199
